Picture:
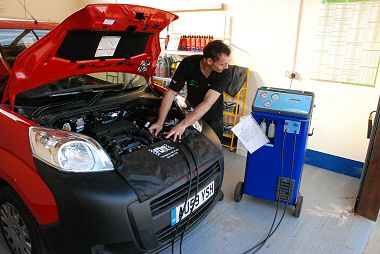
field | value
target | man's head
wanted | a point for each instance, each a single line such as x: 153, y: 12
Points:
x: 217, y: 55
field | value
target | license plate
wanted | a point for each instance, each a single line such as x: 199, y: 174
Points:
x: 195, y: 201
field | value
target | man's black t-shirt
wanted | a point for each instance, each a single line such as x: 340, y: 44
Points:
x: 189, y: 72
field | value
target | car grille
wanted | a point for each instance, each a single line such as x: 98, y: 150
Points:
x: 168, y: 201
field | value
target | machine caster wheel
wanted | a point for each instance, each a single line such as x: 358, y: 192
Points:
x: 221, y: 195
x: 298, y: 207
x: 238, y: 191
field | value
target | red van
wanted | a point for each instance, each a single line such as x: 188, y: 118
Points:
x: 79, y: 170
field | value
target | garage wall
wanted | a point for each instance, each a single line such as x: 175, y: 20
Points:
x: 56, y: 10
x: 342, y: 111
x: 263, y: 38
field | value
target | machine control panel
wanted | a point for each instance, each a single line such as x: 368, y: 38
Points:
x: 284, y: 101
x: 292, y: 126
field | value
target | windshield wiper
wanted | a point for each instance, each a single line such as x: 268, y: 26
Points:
x: 86, y: 90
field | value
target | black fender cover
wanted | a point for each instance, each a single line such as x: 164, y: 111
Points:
x: 154, y: 168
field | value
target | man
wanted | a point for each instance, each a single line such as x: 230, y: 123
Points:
x: 206, y: 77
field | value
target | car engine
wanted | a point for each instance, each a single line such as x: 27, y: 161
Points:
x: 119, y: 131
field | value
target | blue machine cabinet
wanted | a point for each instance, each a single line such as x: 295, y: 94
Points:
x: 274, y: 171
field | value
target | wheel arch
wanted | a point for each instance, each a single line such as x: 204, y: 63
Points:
x: 29, y: 186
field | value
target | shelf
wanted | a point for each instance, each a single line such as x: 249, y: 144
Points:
x: 228, y: 135
x: 229, y: 113
x: 231, y: 148
x: 181, y: 52
x: 162, y: 78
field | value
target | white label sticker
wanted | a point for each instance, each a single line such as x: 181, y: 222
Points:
x: 108, y: 22
x: 165, y: 151
x: 107, y: 46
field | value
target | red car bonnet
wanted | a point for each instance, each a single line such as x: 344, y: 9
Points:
x: 81, y: 44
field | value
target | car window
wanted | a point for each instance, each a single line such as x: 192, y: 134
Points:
x: 15, y: 41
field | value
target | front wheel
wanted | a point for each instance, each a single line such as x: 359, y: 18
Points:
x: 18, y: 226
x: 238, y: 191
x: 221, y: 195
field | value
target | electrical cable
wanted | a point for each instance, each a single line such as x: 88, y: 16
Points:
x: 277, y: 205
x: 262, y: 243
x: 184, y: 207
x: 287, y: 203
x: 292, y: 76
x: 195, y: 197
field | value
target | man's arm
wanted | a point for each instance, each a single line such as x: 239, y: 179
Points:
x: 164, y: 109
x: 209, y: 100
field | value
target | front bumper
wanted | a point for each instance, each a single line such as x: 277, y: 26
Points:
x: 99, y: 213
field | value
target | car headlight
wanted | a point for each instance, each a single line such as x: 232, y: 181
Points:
x: 68, y: 151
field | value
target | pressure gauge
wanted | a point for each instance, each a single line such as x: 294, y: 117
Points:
x: 264, y: 95
x: 268, y: 104
x: 275, y: 96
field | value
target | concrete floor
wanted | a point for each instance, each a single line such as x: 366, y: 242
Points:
x: 374, y: 243
x: 326, y: 224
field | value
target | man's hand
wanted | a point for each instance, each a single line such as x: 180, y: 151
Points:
x: 155, y: 129
x: 176, y: 132
x: 164, y: 109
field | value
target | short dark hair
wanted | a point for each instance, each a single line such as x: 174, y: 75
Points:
x: 214, y: 49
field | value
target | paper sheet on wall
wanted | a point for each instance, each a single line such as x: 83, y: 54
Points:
x: 174, y: 41
x: 250, y: 134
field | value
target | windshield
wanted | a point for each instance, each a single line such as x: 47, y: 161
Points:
x: 15, y: 41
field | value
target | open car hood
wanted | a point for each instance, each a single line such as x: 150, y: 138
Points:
x: 97, y: 38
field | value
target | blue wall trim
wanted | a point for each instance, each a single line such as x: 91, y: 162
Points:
x: 334, y: 163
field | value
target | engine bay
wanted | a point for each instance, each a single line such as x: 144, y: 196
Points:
x: 120, y: 130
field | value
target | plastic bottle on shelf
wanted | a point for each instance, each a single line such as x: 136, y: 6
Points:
x: 263, y: 126
x: 203, y: 42
x: 180, y: 43
x: 188, y: 42
x: 207, y: 40
x: 197, y: 43
x: 157, y: 71
x: 167, y: 41
x: 193, y: 40
x: 183, y: 47
x: 272, y: 130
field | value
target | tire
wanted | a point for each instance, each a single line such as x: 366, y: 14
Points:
x: 221, y: 195
x: 18, y: 226
x: 298, y: 207
x: 238, y: 191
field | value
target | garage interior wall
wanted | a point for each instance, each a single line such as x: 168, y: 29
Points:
x: 56, y: 10
x: 263, y: 37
